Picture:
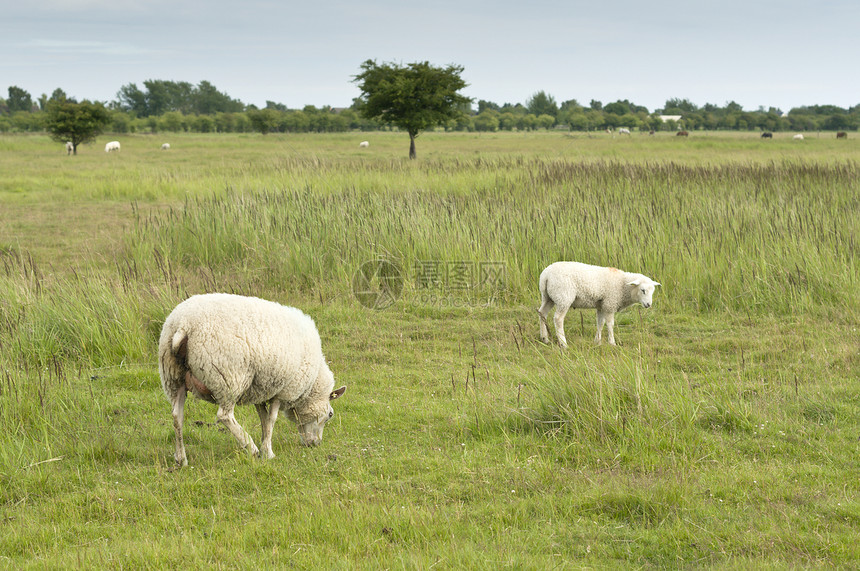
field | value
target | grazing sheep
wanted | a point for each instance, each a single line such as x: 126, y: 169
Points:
x: 682, y: 134
x: 798, y: 137
x: 232, y: 350
x: 165, y: 146
x: 841, y: 135
x: 70, y: 148
x: 364, y: 144
x: 582, y: 286
x: 623, y: 131
x: 767, y: 135
x: 112, y: 146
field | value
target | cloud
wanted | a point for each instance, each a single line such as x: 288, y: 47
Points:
x: 84, y: 47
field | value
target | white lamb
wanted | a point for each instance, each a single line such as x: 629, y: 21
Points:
x: 798, y: 137
x: 364, y: 144
x: 165, y: 147
x: 70, y: 147
x: 232, y: 350
x: 112, y: 146
x: 582, y: 286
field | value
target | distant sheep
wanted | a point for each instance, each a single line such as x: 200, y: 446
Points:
x: 682, y: 134
x: 798, y: 137
x: 767, y: 135
x: 165, y: 147
x: 583, y: 286
x: 233, y: 350
x: 623, y: 131
x: 364, y: 144
x: 112, y: 146
x: 841, y: 135
x: 70, y: 148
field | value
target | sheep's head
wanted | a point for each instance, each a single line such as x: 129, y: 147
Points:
x: 311, y: 421
x: 642, y: 290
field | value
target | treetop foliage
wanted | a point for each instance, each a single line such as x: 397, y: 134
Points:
x: 414, y: 97
x: 161, y: 105
x: 161, y: 96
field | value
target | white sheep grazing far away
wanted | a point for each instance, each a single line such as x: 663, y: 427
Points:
x: 583, y: 286
x: 364, y: 144
x: 70, y: 148
x: 232, y: 350
x: 798, y: 137
x: 112, y: 146
x: 165, y: 146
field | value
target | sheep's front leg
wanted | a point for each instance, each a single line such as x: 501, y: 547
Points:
x: 225, y: 417
x: 558, y: 319
x: 268, y: 416
x: 178, y: 419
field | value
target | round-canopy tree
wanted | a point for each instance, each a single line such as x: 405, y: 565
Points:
x: 414, y: 98
x: 75, y: 122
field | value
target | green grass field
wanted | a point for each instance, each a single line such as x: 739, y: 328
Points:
x: 723, y: 431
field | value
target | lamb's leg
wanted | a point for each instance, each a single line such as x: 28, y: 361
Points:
x: 610, y: 324
x: 225, y: 417
x: 268, y: 416
x: 600, y: 320
x: 543, y: 313
x: 558, y: 319
x: 178, y: 419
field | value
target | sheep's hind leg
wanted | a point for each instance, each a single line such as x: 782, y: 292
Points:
x: 178, y: 419
x: 543, y: 313
x: 268, y: 416
x: 610, y: 326
x: 558, y: 319
x: 225, y: 417
x: 600, y: 320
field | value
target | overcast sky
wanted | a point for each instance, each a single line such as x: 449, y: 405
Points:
x: 771, y: 53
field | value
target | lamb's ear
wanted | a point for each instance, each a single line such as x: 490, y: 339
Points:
x: 657, y: 283
x: 634, y: 282
x: 337, y: 393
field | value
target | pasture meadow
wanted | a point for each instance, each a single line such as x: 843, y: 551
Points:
x: 723, y: 431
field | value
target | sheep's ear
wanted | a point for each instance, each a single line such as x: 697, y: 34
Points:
x: 657, y: 283
x: 337, y: 393
x: 634, y: 282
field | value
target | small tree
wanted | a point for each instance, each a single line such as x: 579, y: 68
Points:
x: 19, y: 100
x: 414, y: 98
x: 542, y: 104
x: 75, y: 122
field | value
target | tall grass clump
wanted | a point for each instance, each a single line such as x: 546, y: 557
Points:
x: 777, y: 237
x: 607, y: 401
x: 92, y: 319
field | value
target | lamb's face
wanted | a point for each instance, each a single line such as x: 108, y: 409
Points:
x: 643, y: 291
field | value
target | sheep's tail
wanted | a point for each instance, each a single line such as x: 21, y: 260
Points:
x: 172, y: 362
x: 179, y: 345
x: 544, y: 296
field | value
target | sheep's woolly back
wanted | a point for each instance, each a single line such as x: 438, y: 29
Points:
x: 245, y: 350
x: 585, y: 286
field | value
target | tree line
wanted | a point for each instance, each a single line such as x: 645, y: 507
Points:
x: 170, y: 106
